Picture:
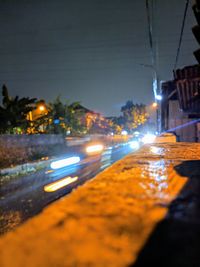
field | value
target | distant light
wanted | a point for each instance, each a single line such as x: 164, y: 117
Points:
x: 158, y: 97
x: 148, y: 138
x: 56, y: 121
x: 134, y: 144
x: 59, y: 184
x: 124, y: 132
x: 94, y: 148
x: 154, y: 105
x: 64, y: 162
x: 41, y: 108
x: 136, y: 133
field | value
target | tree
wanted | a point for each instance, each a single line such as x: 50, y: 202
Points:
x: 57, y: 117
x: 115, y: 124
x: 14, y: 111
x: 76, y: 118
x: 64, y: 117
x: 134, y: 115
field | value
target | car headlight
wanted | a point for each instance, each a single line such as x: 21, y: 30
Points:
x: 93, y: 149
x: 64, y: 162
x: 148, y: 138
x: 134, y: 144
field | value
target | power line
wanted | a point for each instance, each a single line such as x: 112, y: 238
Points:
x: 121, y: 43
x: 181, y: 34
x: 150, y: 17
x: 84, y: 65
x: 150, y: 31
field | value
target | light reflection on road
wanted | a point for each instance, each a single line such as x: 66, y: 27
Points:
x: 52, y: 187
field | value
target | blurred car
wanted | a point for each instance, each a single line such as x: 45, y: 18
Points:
x: 78, y: 156
x: 93, y: 148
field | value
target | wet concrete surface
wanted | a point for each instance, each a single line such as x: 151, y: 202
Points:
x: 142, y: 211
x: 175, y: 241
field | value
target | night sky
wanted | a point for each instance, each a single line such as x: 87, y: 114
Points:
x: 89, y: 50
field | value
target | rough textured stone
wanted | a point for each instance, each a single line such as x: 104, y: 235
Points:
x: 107, y: 221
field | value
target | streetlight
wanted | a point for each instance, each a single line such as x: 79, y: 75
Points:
x: 155, y: 105
x: 41, y: 107
x: 36, y: 113
x: 157, y: 95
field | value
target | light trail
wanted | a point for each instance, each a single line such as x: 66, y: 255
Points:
x: 64, y: 162
x: 59, y: 184
x: 182, y: 126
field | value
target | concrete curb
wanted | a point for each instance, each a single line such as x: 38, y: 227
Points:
x: 25, y: 168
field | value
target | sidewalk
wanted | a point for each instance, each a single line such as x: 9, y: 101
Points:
x: 142, y: 211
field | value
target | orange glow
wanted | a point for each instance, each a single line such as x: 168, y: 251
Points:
x: 154, y: 105
x: 41, y: 108
x: 59, y: 184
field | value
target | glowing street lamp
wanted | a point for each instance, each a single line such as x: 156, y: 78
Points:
x: 41, y: 107
x: 39, y: 111
x: 158, y: 97
x: 155, y: 105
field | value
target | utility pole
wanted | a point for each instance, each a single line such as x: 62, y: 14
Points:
x: 150, y: 8
x: 157, y: 95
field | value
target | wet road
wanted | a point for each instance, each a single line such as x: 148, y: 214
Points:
x: 24, y: 197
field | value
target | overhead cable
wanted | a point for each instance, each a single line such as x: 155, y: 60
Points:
x: 181, y: 34
x: 150, y: 31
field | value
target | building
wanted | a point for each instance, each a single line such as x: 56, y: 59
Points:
x: 93, y: 121
x: 180, y: 107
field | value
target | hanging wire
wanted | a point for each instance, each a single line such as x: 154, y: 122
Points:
x: 150, y: 31
x: 181, y: 34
